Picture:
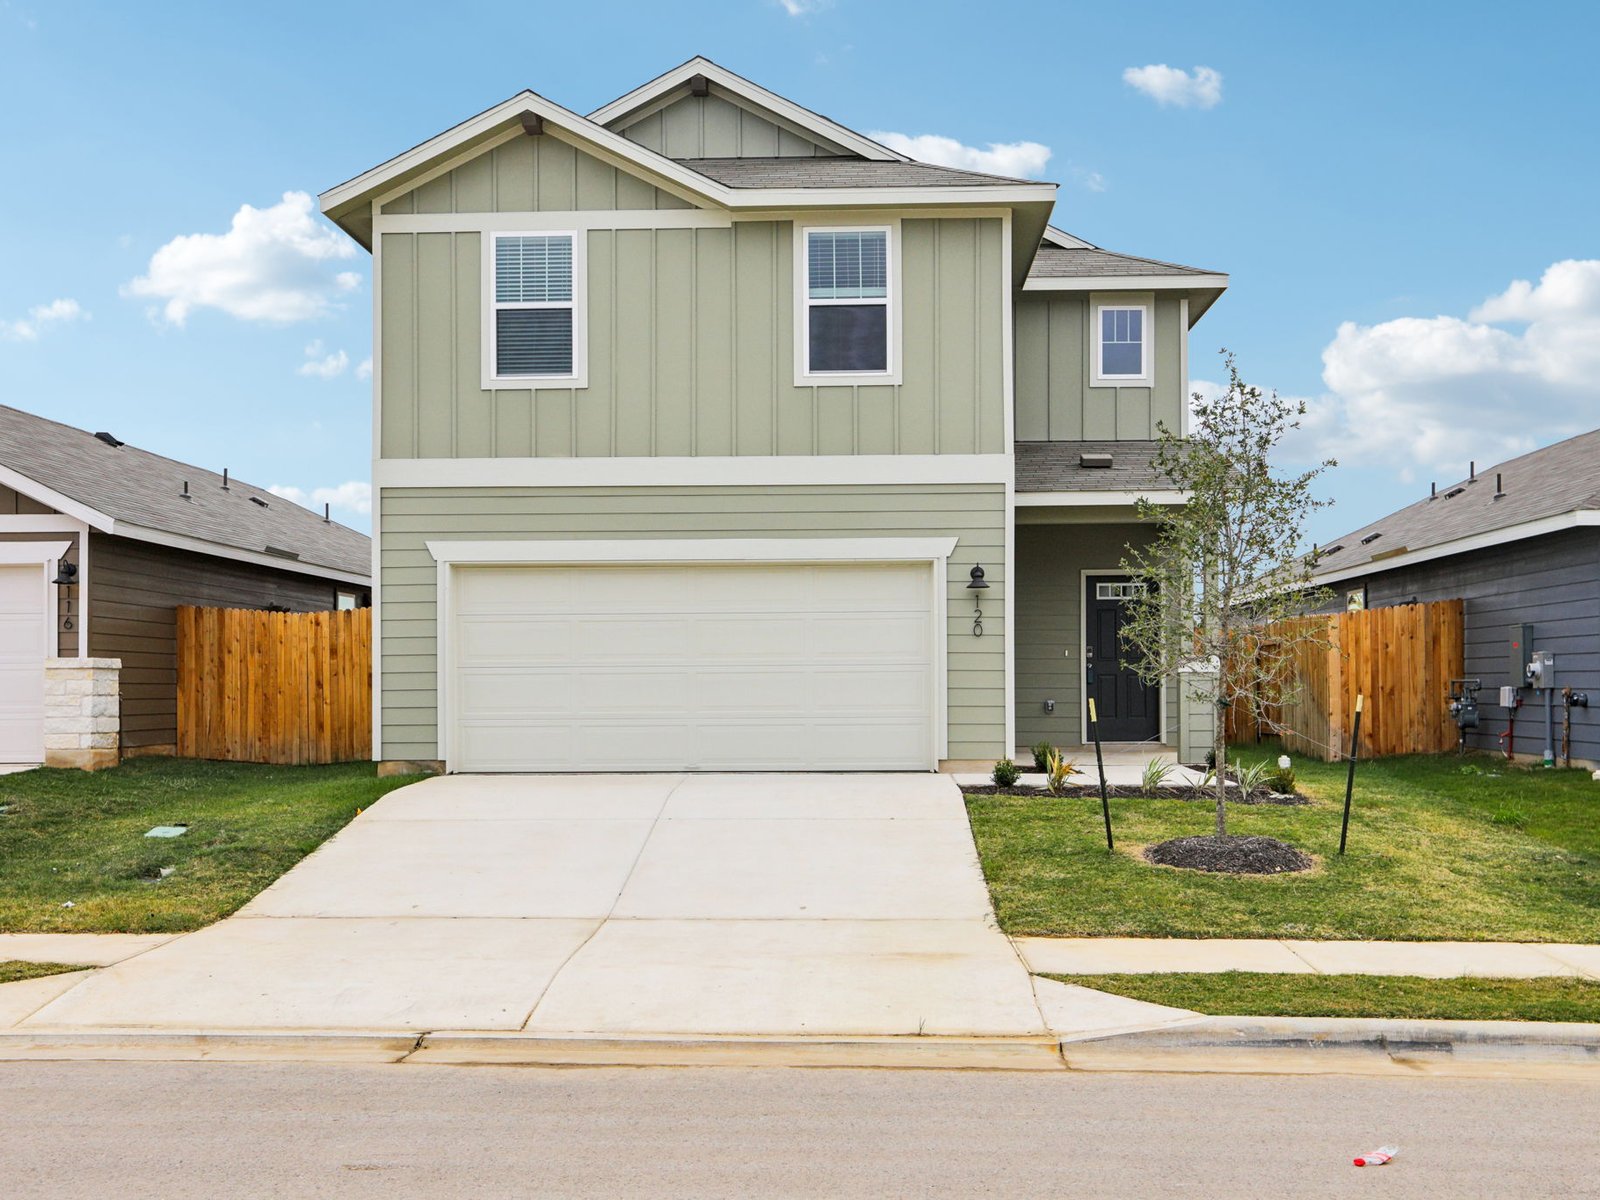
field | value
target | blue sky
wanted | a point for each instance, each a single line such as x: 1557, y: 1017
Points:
x: 1376, y: 178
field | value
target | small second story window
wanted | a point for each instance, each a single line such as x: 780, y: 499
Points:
x: 848, y: 321
x: 1121, y: 340
x: 534, y: 327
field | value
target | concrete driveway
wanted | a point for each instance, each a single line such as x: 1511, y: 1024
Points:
x: 705, y: 904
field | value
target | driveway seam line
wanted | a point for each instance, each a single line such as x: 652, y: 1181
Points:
x: 615, y: 900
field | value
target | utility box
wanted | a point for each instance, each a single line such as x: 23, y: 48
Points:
x: 1521, y: 653
x: 1542, y: 671
x: 1509, y: 697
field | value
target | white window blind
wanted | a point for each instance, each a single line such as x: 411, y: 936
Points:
x: 533, y: 308
x: 847, y: 301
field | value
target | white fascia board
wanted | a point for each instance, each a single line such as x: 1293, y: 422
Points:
x: 1578, y: 519
x: 1129, y: 498
x: 816, y: 123
x: 41, y: 523
x: 18, y: 553
x: 1065, y: 240
x: 35, y: 490
x: 179, y: 541
x: 789, y: 470
x: 1120, y: 283
x: 789, y: 199
x: 506, y: 222
x: 694, y: 550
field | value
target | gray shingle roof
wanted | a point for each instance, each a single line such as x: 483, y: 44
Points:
x: 1057, y: 467
x: 1559, y: 479
x: 837, y: 172
x: 1060, y: 262
x: 134, y: 486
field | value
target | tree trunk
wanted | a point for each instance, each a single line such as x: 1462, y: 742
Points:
x: 1219, y: 749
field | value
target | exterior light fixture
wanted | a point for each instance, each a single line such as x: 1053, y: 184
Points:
x: 977, y: 585
x: 66, y: 578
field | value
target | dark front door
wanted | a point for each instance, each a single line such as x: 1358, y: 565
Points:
x: 1129, y: 709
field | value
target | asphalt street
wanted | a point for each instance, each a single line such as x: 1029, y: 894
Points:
x: 298, y: 1130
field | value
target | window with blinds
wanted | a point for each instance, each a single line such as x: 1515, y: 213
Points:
x: 533, y: 305
x: 847, y: 299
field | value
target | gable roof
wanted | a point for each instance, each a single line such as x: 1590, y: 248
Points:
x: 664, y: 88
x: 1066, y: 263
x: 1543, y: 491
x: 129, y: 492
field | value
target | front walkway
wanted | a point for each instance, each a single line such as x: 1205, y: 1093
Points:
x: 1433, y: 960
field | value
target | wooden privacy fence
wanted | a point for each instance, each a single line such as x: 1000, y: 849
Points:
x: 274, y: 687
x: 1401, y: 659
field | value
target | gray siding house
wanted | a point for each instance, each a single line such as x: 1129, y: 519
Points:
x: 1519, y: 543
x: 714, y: 435
x: 138, y: 535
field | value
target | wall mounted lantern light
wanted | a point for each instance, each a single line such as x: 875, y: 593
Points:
x: 66, y: 578
x: 978, y: 586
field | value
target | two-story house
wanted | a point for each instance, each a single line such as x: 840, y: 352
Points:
x: 712, y: 435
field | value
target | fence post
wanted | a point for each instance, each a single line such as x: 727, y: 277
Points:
x: 1099, y: 759
x: 1350, y: 779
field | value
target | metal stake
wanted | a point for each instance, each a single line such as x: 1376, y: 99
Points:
x: 1099, y: 760
x: 1350, y: 781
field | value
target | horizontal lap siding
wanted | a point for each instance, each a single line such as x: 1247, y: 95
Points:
x: 1050, y: 640
x: 691, y: 352
x: 134, y: 592
x: 1551, y: 583
x: 974, y: 514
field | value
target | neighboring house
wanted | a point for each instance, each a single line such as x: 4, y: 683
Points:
x: 138, y: 535
x: 695, y: 418
x: 1520, y: 544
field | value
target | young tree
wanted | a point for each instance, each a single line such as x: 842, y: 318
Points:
x: 1227, y: 561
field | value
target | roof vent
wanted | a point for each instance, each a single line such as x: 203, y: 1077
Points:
x: 1094, y: 462
x: 1499, y: 487
x: 1371, y: 537
x: 699, y: 85
x: 280, y: 552
x: 110, y: 439
x: 1333, y: 549
x: 1455, y: 491
x: 260, y: 501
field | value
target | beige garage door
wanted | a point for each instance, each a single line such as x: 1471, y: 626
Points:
x: 22, y: 655
x: 654, y: 668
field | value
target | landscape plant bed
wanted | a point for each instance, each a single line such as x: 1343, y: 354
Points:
x: 1133, y: 792
x: 1431, y: 856
x: 74, y: 857
x: 1395, y: 997
x: 1232, y: 854
x: 14, y: 970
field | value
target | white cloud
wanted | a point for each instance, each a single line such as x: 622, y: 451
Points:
x: 274, y: 264
x: 803, y: 8
x: 351, y: 497
x: 40, y: 318
x: 323, y: 366
x: 364, y: 368
x: 1201, y: 88
x: 1432, y: 393
x: 1017, y: 159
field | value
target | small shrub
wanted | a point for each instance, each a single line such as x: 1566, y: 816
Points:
x: 1211, y: 760
x: 1041, y: 756
x: 1057, y: 771
x: 1511, y: 817
x: 1282, y: 781
x: 1006, y: 773
x: 1250, y: 778
x: 1156, y: 772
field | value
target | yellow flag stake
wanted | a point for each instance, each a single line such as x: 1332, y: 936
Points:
x: 1099, y: 759
x: 1350, y: 780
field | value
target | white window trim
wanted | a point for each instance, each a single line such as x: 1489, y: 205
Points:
x: 804, y: 376
x: 1146, y: 375
x: 579, y: 376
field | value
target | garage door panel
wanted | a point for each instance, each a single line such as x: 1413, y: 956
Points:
x: 760, y: 667
x: 23, y: 648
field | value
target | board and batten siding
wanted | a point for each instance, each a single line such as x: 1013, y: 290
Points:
x: 691, y: 351
x: 1550, y: 582
x: 411, y: 517
x: 1054, y: 345
x: 714, y: 127
x: 533, y: 174
x: 1051, y: 560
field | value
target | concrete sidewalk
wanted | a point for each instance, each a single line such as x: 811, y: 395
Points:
x: 1432, y: 960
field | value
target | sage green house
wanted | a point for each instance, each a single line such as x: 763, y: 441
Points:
x: 712, y: 435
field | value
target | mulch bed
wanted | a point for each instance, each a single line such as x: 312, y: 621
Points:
x: 1125, y: 792
x: 1230, y: 855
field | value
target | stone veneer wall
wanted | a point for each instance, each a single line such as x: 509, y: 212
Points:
x: 82, y: 706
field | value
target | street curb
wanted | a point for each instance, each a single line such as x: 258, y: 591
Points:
x: 1343, y: 1045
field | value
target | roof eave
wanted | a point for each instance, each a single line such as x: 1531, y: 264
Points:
x: 1577, y: 518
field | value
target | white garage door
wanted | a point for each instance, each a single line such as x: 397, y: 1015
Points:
x: 22, y: 655
x: 737, y: 667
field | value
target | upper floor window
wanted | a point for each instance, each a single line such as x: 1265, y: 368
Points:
x: 847, y: 306
x: 534, y: 326
x: 1122, y: 343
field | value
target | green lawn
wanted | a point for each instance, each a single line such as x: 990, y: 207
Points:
x: 1244, y: 994
x: 71, y: 836
x: 13, y: 970
x: 1488, y: 853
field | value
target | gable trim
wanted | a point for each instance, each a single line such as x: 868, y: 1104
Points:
x: 668, y: 99
x: 65, y: 505
x: 623, y: 110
